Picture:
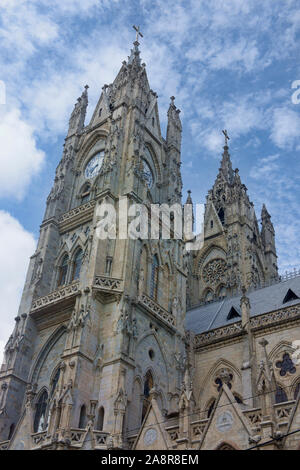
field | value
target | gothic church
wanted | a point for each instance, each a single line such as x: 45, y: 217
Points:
x: 138, y: 344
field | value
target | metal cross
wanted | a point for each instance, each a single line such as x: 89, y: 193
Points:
x: 226, y: 136
x: 138, y: 33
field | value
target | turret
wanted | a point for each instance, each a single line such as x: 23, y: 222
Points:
x: 268, y: 240
x: 174, y: 128
x: 76, y: 122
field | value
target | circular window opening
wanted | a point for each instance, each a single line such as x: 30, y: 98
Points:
x: 151, y: 354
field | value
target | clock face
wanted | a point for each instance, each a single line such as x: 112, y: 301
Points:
x: 148, y: 175
x: 94, y: 165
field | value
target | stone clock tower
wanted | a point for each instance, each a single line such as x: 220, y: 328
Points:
x: 99, y: 318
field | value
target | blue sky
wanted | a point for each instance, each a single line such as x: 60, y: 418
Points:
x: 230, y: 64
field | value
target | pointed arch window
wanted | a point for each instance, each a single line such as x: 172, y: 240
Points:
x: 148, y: 385
x: 100, y: 419
x: 82, y: 417
x: 225, y: 446
x: 63, y: 270
x: 280, y: 395
x: 209, y: 296
x: 154, y: 278
x: 85, y: 193
x: 54, y: 382
x: 77, y: 264
x: 222, y: 292
x: 221, y: 215
x: 210, y: 408
x: 40, y: 421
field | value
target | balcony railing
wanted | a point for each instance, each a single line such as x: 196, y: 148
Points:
x: 156, y: 310
x: 56, y: 296
x: 108, y: 284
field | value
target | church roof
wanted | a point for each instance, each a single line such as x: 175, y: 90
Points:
x: 215, y: 315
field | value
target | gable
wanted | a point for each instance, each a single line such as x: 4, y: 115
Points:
x: 152, y: 119
x: 212, y: 223
x: 102, y: 110
x: 152, y: 435
x: 227, y: 425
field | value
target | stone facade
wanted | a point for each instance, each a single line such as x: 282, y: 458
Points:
x: 102, y: 355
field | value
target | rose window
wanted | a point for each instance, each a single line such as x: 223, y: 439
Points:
x: 214, y: 271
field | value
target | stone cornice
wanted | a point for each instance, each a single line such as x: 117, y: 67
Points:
x: 267, y: 320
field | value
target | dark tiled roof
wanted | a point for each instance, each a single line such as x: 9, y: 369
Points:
x: 214, y: 315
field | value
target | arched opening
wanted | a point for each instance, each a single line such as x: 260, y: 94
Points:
x: 82, y: 417
x: 40, y: 421
x: 166, y: 284
x: 85, y: 193
x: 154, y: 278
x: 209, y: 296
x: 143, y: 274
x: 280, y: 395
x: 222, y: 292
x: 54, y: 382
x: 225, y: 446
x: 221, y: 215
x: 100, y: 419
x: 148, y: 385
x: 63, y: 270
x: 11, y: 431
x: 211, y: 407
x: 77, y: 264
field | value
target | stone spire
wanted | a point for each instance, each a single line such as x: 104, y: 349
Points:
x: 226, y: 165
x: 268, y: 240
x: 76, y: 122
x: 174, y: 127
x: 265, y: 214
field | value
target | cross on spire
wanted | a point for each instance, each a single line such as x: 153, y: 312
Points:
x: 138, y: 33
x: 226, y: 137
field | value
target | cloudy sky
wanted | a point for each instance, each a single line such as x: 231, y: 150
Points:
x: 230, y: 63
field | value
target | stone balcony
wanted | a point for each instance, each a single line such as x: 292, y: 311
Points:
x: 108, y: 288
x: 108, y: 284
x: 77, y: 216
x: 64, y: 294
x: 157, y: 311
x: 75, y: 439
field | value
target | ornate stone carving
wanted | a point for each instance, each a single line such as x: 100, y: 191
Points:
x: 157, y: 310
x: 56, y: 296
x: 214, y: 271
x: 108, y: 283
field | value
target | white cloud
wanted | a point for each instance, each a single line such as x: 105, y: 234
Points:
x: 24, y: 28
x: 266, y: 168
x: 20, y: 159
x: 285, y: 127
x: 16, y: 246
